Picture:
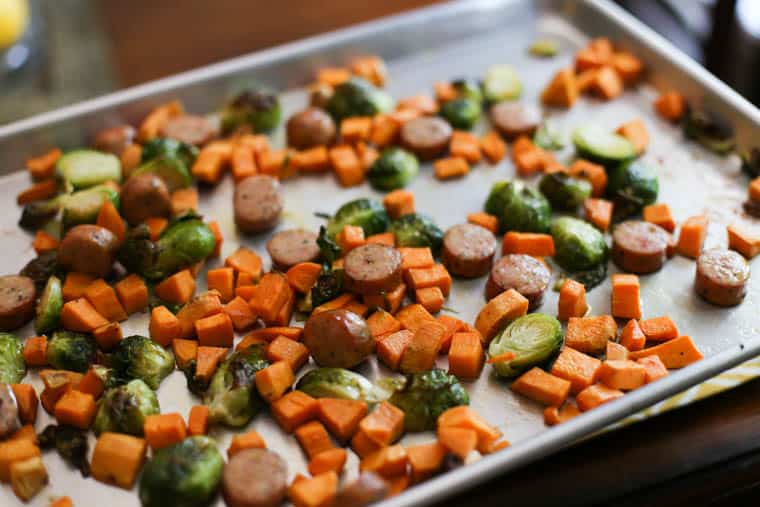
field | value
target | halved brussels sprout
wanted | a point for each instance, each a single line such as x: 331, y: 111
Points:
x: 357, y: 97
x: 501, y: 82
x: 123, y: 409
x: 548, y: 136
x: 533, y: 338
x: 343, y: 384
x: 71, y: 351
x: 563, y: 191
x: 41, y: 268
x: 597, y: 144
x: 710, y: 130
x: 170, y: 160
x: 256, y: 109
x: 368, y: 214
x: 468, y: 89
x: 49, y: 306
x: 427, y: 395
x: 71, y: 444
x: 82, y: 207
x: 394, y: 168
x: 631, y: 186
x: 578, y: 245
x: 86, y: 168
x: 12, y: 364
x: 461, y: 113
x: 417, y: 230
x: 518, y: 207
x: 138, y: 357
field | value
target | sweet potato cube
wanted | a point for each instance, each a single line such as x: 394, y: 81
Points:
x: 580, y: 369
x: 590, y: 334
x: 543, y: 387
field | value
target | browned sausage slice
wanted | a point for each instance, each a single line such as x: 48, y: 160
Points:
x: 722, y: 277
x: 145, y: 196
x: 114, y: 139
x: 290, y: 247
x: 639, y: 247
x: 366, y: 489
x: 88, y: 249
x: 311, y: 127
x: 427, y: 137
x: 189, y: 129
x: 527, y: 275
x: 372, y: 269
x: 514, y: 119
x: 255, y: 478
x: 338, y: 338
x: 258, y: 203
x: 9, y: 421
x: 17, y: 295
x: 468, y: 250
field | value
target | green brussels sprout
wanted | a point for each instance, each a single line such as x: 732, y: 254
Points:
x: 343, y: 384
x: 138, y: 357
x: 501, y: 82
x: 138, y: 252
x: 86, y: 168
x: 70, y: 443
x: 709, y: 129
x: 231, y: 397
x: 461, y: 113
x: 544, y: 48
x: 578, y: 245
x: 357, y: 97
x: 71, y: 351
x: 394, y: 168
x: 328, y: 286
x: 468, y: 89
x: 256, y: 109
x: 427, y: 395
x: 329, y: 250
x: 599, y: 145
x: 518, y: 208
x: 82, y: 207
x: 563, y: 191
x: 631, y: 186
x: 416, y: 229
x: 123, y: 409
x: 12, y: 364
x: 365, y: 213
x: 41, y: 268
x: 590, y: 278
x: 534, y: 338
x: 186, y: 474
x: 170, y: 160
x: 751, y: 162
x: 49, y: 306
x: 548, y: 136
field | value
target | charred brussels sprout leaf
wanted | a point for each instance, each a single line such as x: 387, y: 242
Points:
x: 186, y: 474
x: 123, y: 409
x: 328, y: 248
x: 534, y: 338
x: 590, y: 278
x: 70, y: 443
x: 170, y: 160
x: 417, y: 230
x: 563, y: 191
x: 365, y: 213
x: 631, y: 186
x: 328, y: 286
x: 41, y: 268
x: 343, y: 384
x: 195, y: 384
x: 710, y: 130
x: 461, y: 113
x: 427, y: 395
x: 71, y: 351
x: 518, y: 208
x: 256, y: 109
x: 138, y: 357
x: 232, y: 398
x: 579, y: 246
x: 395, y: 168
x: 12, y: 365
x: 357, y: 97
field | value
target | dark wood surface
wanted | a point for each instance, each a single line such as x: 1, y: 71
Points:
x: 703, y: 454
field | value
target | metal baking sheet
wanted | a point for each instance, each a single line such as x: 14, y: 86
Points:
x: 454, y: 40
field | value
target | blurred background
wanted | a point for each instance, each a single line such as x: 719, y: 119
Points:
x: 58, y: 52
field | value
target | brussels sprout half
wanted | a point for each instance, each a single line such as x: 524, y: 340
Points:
x: 578, y: 245
x: 631, y: 186
x: 518, y: 208
x: 138, y: 357
x: 123, y: 409
x: 533, y: 338
x: 357, y: 97
x: 256, y: 109
x: 563, y: 191
x: 12, y: 365
x: 461, y: 113
x: 343, y: 384
x: 427, y: 395
x: 417, y: 230
x: 394, y: 168
x: 71, y: 351
x: 368, y: 214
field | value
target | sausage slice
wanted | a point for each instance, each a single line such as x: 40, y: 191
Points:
x: 722, y: 277
x: 88, y: 249
x: 338, y: 338
x: 145, y: 196
x: 9, y: 421
x: 468, y: 250
x: 258, y: 203
x: 255, y: 478
x: 527, y: 275
x: 513, y: 119
x: 189, y: 129
x: 366, y: 489
x: 639, y: 247
x: 427, y: 136
x: 114, y: 139
x: 311, y: 127
x: 17, y: 294
x: 372, y: 269
x: 290, y: 247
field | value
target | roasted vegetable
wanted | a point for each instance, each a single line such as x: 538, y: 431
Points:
x: 38, y: 213
x: 710, y: 130
x: 590, y: 278
x: 138, y: 253
x: 544, y: 48
x: 461, y: 113
x: 82, y: 207
x: 329, y: 250
x: 71, y: 351
x: 395, y: 168
x: 631, y: 186
x: 751, y: 162
x: 418, y: 230
x: 170, y: 160
x: 255, y: 109
x: 518, y: 208
x: 501, y: 82
x: 232, y: 397
x: 468, y: 89
x: 196, y: 385
x: 579, y: 246
x: 123, y: 409
x: 87, y: 168
x: 357, y: 97
x: 343, y: 384
x: 548, y: 136
x: 427, y: 395
x: 70, y: 443
x: 365, y: 213
x: 328, y: 286
x: 533, y: 338
x: 138, y: 357
x: 12, y: 365
x: 41, y: 268
x: 49, y: 307
x: 597, y: 144
x: 186, y: 474
x: 563, y: 191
